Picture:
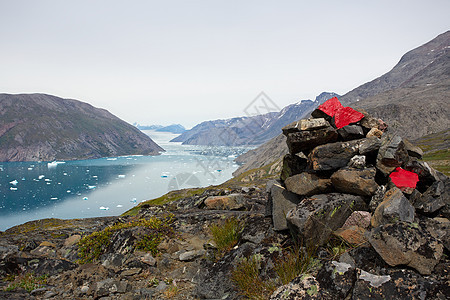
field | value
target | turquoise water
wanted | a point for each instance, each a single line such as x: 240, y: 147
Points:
x: 107, y: 186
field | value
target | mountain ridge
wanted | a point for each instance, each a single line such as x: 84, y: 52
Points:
x: 41, y: 127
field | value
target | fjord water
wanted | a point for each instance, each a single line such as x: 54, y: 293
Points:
x: 107, y: 186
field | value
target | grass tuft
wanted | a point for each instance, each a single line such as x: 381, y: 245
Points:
x: 27, y: 281
x: 226, y: 234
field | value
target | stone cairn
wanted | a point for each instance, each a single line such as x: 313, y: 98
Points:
x: 347, y: 175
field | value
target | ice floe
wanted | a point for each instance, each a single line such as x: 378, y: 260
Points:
x: 104, y: 208
x: 121, y: 176
x: 14, y: 182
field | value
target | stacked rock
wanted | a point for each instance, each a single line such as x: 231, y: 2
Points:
x: 347, y: 175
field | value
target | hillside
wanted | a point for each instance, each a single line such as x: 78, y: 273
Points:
x: 412, y: 98
x: 39, y: 127
x: 254, y: 130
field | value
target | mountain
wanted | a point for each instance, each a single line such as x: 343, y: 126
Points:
x: 254, y: 130
x: 412, y: 99
x: 39, y: 127
x: 174, y: 128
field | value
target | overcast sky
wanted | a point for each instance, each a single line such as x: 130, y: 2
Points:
x: 163, y: 62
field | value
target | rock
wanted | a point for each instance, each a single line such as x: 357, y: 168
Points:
x: 398, y: 284
x: 369, y: 145
x: 72, y: 240
x: 332, y: 156
x: 49, y: 294
x: 358, y: 218
x: 392, y: 154
x: 190, y: 255
x: 131, y: 272
x: 282, y: 202
x: 111, y: 260
x: 111, y: 286
x: 394, y: 208
x: 228, y: 202
x: 336, y: 278
x: 293, y: 165
x: 357, y: 162
x: 305, y: 124
x: 306, y: 184
x: 148, y: 259
x: 48, y: 266
x: 304, y: 141
x: 439, y: 228
x: 403, y: 243
x: 406, y: 181
x: 314, y: 219
x: 413, y: 150
x: 302, y: 287
x: 377, y: 198
x: 353, y: 235
x: 45, y: 251
x: 355, y: 181
x: 374, y: 132
x: 436, y: 197
x: 427, y: 175
x: 351, y: 132
x: 345, y: 116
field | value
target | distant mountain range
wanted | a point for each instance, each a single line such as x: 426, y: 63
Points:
x: 174, y: 128
x: 412, y: 98
x: 39, y: 127
x: 253, y: 130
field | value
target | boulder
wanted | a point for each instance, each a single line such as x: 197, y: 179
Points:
x: 353, y: 235
x: 403, y: 243
x: 358, y: 218
x: 439, y: 228
x: 377, y: 198
x: 392, y: 154
x: 191, y: 255
x: 413, y: 150
x: 395, y: 207
x: 304, y: 141
x: 369, y: 145
x: 306, y: 184
x: 358, y: 162
x: 282, y: 202
x: 305, y: 124
x: 332, y: 156
x: 427, y: 175
x: 436, y: 197
x: 355, y: 181
x: 375, y: 132
x: 336, y: 278
x: 315, y: 218
x: 293, y: 164
x: 396, y: 284
x: 301, y: 287
x: 351, y: 132
x: 111, y: 286
x: 228, y: 202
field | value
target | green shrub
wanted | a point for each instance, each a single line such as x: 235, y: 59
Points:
x: 92, y: 246
x: 293, y: 263
x: 27, y: 281
x: 246, y: 277
x: 226, y: 234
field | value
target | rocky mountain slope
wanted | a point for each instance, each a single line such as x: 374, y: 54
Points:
x: 174, y: 128
x: 412, y: 98
x: 254, y: 130
x: 39, y: 127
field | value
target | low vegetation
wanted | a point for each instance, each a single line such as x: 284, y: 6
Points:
x: 96, y: 243
x: 27, y: 281
x: 226, y: 235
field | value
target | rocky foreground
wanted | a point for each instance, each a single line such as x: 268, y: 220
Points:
x: 355, y: 215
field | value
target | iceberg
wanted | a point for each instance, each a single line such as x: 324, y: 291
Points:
x: 14, y: 182
x: 104, y: 208
x: 91, y: 187
x: 55, y: 163
x: 13, y: 188
x: 119, y: 205
x: 54, y: 198
x: 85, y: 198
x: 112, y: 158
x: 121, y: 176
x: 41, y: 176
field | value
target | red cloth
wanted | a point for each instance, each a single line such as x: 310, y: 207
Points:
x: 331, y: 106
x: 402, y: 178
x: 345, y: 116
x: 342, y: 115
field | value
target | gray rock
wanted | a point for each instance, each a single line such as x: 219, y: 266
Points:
x: 413, y: 150
x: 111, y: 286
x: 305, y: 124
x: 304, y: 141
x: 228, y: 202
x: 427, y: 175
x: 111, y: 260
x: 436, y: 197
x: 315, y: 218
x: 351, y: 132
x: 332, y: 156
x: 392, y: 153
x: 302, y: 287
x: 292, y: 165
x: 439, y: 228
x: 403, y: 243
x: 355, y: 181
x: 336, y: 278
x: 306, y: 184
x: 369, y: 145
x: 394, y: 208
x: 282, y: 202
x: 190, y: 255
x: 377, y: 198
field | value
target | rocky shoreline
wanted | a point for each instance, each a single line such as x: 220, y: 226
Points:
x: 345, y: 221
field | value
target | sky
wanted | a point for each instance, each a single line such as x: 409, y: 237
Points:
x: 164, y: 62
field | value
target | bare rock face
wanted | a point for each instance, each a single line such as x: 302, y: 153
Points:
x: 332, y: 156
x: 303, y: 141
x: 408, y: 244
x: 355, y: 181
x: 316, y: 218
